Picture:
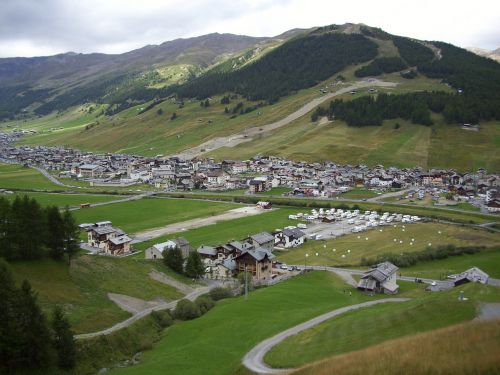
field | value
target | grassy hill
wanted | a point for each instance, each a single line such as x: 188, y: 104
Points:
x: 135, y: 116
x: 468, y: 348
x: 81, y: 289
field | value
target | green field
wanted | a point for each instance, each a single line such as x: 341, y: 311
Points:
x: 383, y: 242
x: 63, y: 200
x: 13, y: 176
x: 148, y: 213
x: 82, y: 288
x: 366, y: 327
x: 216, y: 342
x: 152, y: 134
x: 408, y: 146
x: 236, y: 229
x: 358, y: 193
x: 488, y: 261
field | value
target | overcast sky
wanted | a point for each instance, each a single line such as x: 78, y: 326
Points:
x: 47, y: 27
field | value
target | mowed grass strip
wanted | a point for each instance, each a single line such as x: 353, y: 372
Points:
x: 82, y: 288
x: 468, y: 348
x: 236, y: 229
x: 370, y: 326
x: 63, y: 200
x: 216, y: 342
x: 149, y: 213
x: 14, y: 176
x: 381, y: 240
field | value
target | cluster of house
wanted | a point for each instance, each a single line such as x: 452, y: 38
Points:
x: 103, y: 237
x: 253, y: 254
x: 257, y: 174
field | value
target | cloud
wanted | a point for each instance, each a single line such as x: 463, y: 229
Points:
x: 41, y: 27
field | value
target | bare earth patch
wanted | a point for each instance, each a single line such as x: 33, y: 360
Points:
x: 131, y: 304
x: 165, y: 279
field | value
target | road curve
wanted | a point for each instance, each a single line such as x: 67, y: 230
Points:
x: 125, y: 323
x: 254, y: 359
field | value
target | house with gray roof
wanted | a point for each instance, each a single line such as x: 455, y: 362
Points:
x: 262, y: 239
x: 112, y: 241
x: 380, y: 279
x: 257, y: 263
x: 289, y: 237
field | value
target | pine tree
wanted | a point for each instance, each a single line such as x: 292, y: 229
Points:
x: 55, y: 233
x: 5, y: 244
x: 10, y: 333
x: 35, y: 334
x: 64, y: 341
x: 194, y: 265
x: 70, y: 234
x: 173, y: 259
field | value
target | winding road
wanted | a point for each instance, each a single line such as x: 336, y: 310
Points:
x: 245, y: 136
x: 254, y: 359
x: 125, y: 323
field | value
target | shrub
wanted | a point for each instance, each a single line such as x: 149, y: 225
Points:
x: 220, y: 293
x: 186, y: 310
x: 164, y: 318
x: 204, y: 303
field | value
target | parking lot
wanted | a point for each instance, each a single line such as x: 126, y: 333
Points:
x: 328, y: 224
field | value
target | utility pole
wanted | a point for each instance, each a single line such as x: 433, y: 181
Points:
x: 246, y: 283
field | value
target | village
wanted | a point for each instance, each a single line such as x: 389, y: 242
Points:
x: 256, y: 257
x: 256, y: 175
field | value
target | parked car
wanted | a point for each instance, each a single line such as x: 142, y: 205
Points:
x: 284, y: 266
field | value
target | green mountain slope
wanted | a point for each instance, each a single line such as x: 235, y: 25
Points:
x: 272, y: 78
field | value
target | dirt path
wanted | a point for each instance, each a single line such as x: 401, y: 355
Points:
x: 245, y: 136
x: 196, y: 223
x: 254, y: 359
x: 160, y: 306
x: 165, y: 279
x: 131, y: 304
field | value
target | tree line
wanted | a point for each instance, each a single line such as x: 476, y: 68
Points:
x: 28, y: 342
x: 193, y: 266
x: 414, y: 107
x: 29, y: 231
x: 297, y: 64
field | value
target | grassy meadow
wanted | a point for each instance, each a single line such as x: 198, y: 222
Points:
x: 236, y: 325
x: 383, y: 242
x: 488, y: 261
x: 370, y: 326
x: 82, y: 288
x: 148, y: 213
x: 14, y: 176
x: 410, y: 145
x: 224, y: 231
x: 468, y: 348
x: 152, y: 133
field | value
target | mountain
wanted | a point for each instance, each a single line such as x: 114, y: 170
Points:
x: 494, y: 55
x: 202, y: 93
x: 83, y: 77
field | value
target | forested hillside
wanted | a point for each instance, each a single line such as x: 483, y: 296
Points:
x: 297, y: 64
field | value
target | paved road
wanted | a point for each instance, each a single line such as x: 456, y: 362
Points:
x: 245, y: 136
x: 197, y: 223
x: 129, y: 198
x: 254, y: 359
x: 125, y: 323
x: 388, y: 195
